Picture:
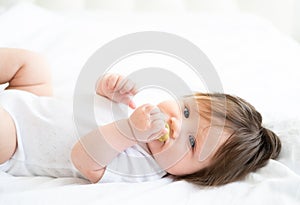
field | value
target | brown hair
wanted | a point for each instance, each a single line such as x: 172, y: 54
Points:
x: 248, y: 148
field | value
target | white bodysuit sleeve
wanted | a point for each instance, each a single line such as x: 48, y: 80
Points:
x: 132, y: 165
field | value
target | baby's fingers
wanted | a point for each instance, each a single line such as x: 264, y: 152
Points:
x: 157, y: 125
x: 113, y: 81
x: 158, y: 129
x: 158, y: 120
x: 127, y: 86
x: 157, y: 114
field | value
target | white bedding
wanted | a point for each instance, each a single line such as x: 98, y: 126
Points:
x: 253, y: 60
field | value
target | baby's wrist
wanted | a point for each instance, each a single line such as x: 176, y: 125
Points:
x: 124, y: 128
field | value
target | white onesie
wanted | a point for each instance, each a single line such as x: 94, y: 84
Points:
x: 46, y: 134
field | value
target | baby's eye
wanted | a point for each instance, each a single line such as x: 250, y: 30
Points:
x: 192, y: 141
x: 186, y: 112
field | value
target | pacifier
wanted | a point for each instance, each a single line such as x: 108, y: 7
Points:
x: 165, y: 136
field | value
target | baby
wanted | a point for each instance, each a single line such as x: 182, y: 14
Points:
x: 212, y: 139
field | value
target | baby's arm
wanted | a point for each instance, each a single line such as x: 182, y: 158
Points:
x: 25, y: 70
x: 117, y: 89
x: 94, y: 151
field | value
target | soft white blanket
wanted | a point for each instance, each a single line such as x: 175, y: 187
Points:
x: 253, y: 60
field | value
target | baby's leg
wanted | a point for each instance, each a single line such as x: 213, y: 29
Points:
x: 8, y: 137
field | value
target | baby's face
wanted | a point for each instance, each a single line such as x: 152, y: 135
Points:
x: 181, y: 153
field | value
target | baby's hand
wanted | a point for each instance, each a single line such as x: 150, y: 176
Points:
x: 117, y: 88
x: 147, y: 123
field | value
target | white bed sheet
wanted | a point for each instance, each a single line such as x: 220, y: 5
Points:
x: 253, y: 60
